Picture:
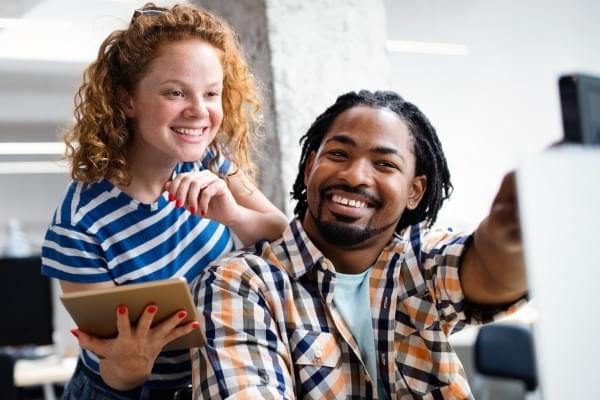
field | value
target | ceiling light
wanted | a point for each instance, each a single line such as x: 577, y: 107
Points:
x: 32, y: 167
x: 401, y: 46
x: 33, y: 23
x: 18, y: 148
x: 8, y: 22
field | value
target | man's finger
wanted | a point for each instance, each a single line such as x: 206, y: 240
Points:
x: 507, y: 191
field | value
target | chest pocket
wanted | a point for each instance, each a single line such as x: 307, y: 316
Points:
x: 415, y: 349
x: 316, y: 356
x: 415, y: 314
x: 318, y: 349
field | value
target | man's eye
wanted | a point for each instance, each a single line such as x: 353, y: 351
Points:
x: 336, y: 154
x: 386, y: 165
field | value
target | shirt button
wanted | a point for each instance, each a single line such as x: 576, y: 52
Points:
x: 318, y: 352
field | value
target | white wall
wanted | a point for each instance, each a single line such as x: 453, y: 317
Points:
x: 499, y: 104
x: 319, y: 50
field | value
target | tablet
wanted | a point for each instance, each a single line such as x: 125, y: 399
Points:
x: 95, y: 311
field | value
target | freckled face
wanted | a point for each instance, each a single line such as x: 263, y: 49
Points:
x: 176, y: 107
x: 362, y: 178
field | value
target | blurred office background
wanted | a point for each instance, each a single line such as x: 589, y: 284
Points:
x: 484, y: 72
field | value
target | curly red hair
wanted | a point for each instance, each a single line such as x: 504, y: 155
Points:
x: 97, y: 143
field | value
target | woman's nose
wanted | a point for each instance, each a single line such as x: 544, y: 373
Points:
x: 196, y: 109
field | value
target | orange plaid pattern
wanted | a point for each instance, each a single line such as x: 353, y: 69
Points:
x: 272, y: 330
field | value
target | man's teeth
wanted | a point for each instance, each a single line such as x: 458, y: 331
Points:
x: 336, y: 198
x: 189, y: 131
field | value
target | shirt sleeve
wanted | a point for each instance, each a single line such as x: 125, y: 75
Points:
x: 72, y: 255
x: 217, y: 162
x: 244, y: 355
x: 441, y: 255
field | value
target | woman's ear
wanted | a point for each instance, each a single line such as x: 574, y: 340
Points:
x: 417, y: 190
x: 126, y: 103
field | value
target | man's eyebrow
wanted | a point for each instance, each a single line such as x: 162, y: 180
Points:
x: 342, y: 139
x: 386, y: 150
x: 383, y: 150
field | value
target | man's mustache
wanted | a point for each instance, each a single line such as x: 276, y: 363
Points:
x: 373, y: 199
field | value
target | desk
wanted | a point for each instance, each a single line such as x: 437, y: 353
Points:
x: 45, y: 372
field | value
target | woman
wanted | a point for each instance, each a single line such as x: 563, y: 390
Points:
x: 162, y: 184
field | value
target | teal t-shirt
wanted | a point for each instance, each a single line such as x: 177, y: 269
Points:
x: 351, y: 297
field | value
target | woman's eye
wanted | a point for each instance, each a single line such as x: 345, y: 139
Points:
x: 213, y: 94
x: 176, y: 93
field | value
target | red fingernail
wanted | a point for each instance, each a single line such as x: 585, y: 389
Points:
x: 178, y: 203
x: 202, y: 213
x: 122, y: 310
x: 171, y: 197
x: 182, y: 314
x: 195, y: 324
x: 192, y: 210
x: 152, y: 309
x: 75, y: 333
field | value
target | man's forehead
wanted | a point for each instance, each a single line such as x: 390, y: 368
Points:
x: 369, y: 124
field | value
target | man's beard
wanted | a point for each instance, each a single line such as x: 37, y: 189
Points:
x: 342, y: 233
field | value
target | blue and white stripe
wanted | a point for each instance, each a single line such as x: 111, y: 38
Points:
x: 100, y: 234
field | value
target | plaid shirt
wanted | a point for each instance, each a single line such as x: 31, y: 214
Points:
x: 272, y: 330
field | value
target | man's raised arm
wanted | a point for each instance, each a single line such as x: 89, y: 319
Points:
x: 493, y: 268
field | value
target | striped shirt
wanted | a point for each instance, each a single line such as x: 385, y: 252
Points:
x: 272, y: 329
x: 99, y: 233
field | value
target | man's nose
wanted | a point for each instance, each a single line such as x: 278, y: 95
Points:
x: 357, y: 173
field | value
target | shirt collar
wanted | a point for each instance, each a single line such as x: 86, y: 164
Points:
x: 304, y: 255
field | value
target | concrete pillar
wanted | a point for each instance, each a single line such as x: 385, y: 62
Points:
x: 248, y: 18
x: 306, y: 53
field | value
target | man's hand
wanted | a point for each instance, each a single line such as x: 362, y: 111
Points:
x: 493, y: 269
x: 503, y: 224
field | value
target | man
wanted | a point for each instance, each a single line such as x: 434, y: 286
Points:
x: 359, y: 296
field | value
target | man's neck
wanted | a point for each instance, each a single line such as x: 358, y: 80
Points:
x: 348, y: 260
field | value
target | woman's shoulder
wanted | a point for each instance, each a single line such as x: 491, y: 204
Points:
x: 217, y: 162
x: 79, y: 196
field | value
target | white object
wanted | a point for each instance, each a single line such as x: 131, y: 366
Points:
x: 559, y: 206
x: 16, y: 243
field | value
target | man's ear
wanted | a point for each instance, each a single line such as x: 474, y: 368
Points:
x: 308, y: 168
x: 126, y: 103
x: 417, y: 190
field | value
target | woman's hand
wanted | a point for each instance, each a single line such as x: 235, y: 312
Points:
x: 205, y: 193
x: 126, y: 361
x: 236, y: 203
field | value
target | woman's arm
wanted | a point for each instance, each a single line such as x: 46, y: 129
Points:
x: 234, y: 202
x: 259, y: 218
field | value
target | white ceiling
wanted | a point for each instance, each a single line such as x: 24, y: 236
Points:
x: 58, y: 30
x: 44, y: 47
